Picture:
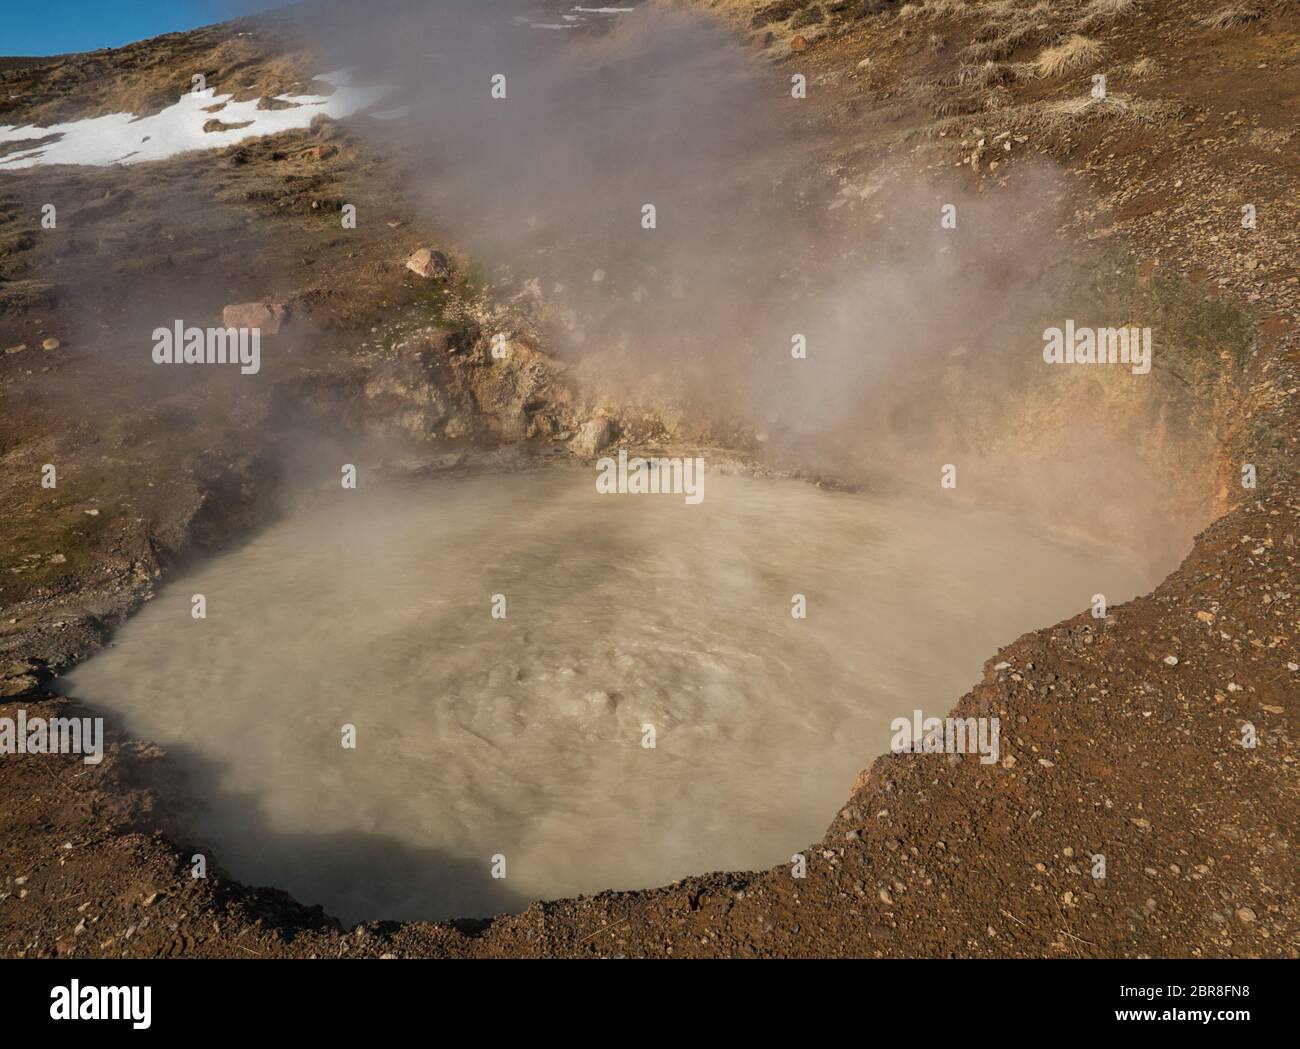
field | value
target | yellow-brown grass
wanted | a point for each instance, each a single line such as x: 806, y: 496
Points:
x: 1235, y: 15
x: 1105, y: 12
x: 1075, y: 53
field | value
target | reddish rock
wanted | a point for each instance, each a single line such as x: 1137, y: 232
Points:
x: 268, y: 316
x: 429, y: 263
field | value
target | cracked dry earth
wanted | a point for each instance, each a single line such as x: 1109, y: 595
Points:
x: 1122, y: 736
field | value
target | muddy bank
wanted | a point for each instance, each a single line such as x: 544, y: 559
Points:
x: 613, y: 717
x: 1140, y: 761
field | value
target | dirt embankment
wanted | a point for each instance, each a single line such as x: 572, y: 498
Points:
x: 1122, y: 737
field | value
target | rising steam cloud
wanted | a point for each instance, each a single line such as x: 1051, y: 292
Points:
x: 757, y: 238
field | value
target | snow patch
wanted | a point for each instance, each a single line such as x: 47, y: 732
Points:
x: 122, y: 138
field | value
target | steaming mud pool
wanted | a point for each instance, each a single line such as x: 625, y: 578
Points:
x: 523, y: 737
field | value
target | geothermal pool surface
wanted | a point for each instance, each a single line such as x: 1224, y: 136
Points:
x: 522, y: 737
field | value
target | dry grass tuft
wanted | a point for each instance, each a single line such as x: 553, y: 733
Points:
x: 1008, y: 27
x: 1075, y: 53
x: 1105, y: 12
x: 991, y: 74
x: 998, y: 97
x: 957, y: 106
x: 1143, y: 68
x: 980, y: 74
x: 1002, y: 46
x: 1228, y: 17
x: 931, y: 8
x: 1071, y: 113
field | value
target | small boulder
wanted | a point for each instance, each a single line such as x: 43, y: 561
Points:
x: 268, y: 316
x: 593, y: 435
x: 426, y: 262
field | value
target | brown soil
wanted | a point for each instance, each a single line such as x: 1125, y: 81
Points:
x: 1110, y: 748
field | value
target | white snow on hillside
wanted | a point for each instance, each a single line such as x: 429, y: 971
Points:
x: 121, y: 138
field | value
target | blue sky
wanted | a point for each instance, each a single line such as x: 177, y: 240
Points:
x: 51, y: 27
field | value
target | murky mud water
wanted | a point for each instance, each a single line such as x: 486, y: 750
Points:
x: 522, y: 737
